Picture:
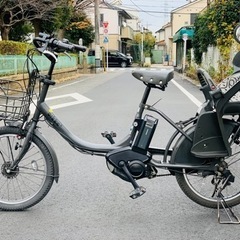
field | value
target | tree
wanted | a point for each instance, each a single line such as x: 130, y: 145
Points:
x: 201, y: 39
x: 64, y: 14
x: 72, y: 22
x: 215, y: 27
x: 80, y: 5
x: 15, y: 11
x: 20, y: 31
x: 80, y: 27
x: 148, y: 41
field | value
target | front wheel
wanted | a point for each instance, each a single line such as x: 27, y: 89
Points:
x: 201, y: 188
x: 31, y: 180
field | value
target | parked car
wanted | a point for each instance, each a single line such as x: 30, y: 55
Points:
x: 115, y: 58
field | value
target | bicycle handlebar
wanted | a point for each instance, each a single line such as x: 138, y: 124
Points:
x: 45, y: 41
x: 61, y: 45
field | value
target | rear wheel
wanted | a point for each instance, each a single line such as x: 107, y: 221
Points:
x: 31, y: 180
x: 202, y: 189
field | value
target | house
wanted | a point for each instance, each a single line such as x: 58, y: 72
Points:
x: 134, y: 22
x: 163, y: 49
x: 169, y: 38
x: 117, y: 33
x: 182, y: 20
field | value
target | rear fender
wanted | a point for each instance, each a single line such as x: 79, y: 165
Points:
x: 52, y: 153
x: 182, y: 151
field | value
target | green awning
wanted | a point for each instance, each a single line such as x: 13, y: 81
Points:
x: 189, y: 30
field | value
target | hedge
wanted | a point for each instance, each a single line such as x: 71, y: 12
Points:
x: 13, y: 48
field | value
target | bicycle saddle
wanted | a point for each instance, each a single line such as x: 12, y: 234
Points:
x: 159, y: 77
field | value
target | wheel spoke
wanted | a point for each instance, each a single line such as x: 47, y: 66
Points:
x: 203, y: 189
x: 30, y: 181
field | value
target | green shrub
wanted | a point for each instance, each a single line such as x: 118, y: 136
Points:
x: 191, y: 72
x: 13, y: 48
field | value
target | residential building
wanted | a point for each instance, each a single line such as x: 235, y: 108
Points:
x: 163, y: 48
x: 118, y: 33
x: 182, y: 20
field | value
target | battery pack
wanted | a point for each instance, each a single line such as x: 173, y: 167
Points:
x: 145, y: 134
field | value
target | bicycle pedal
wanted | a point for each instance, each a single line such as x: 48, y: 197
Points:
x: 137, y: 192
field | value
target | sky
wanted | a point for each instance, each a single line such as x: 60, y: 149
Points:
x: 154, y: 13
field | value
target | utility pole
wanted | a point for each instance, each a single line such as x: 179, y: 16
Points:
x: 185, y: 38
x: 97, y: 40
x: 208, y: 3
x: 142, y: 32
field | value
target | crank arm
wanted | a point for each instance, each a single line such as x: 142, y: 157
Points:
x: 138, y: 190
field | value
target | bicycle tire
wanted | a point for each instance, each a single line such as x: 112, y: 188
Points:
x: 200, y: 189
x: 32, y: 179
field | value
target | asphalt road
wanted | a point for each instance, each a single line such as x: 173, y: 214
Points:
x: 89, y: 203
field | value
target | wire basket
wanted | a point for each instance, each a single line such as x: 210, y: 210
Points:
x: 14, y: 101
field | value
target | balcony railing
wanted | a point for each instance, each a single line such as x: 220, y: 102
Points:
x: 127, y: 33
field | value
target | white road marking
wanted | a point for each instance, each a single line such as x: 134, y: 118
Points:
x: 189, y: 95
x: 78, y: 99
x: 66, y: 85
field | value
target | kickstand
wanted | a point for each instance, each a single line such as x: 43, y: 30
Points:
x: 232, y: 218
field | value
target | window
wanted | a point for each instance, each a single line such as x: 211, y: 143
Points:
x: 193, y: 18
x: 113, y: 54
x: 101, y: 19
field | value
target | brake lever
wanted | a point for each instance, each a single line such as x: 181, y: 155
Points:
x: 66, y: 53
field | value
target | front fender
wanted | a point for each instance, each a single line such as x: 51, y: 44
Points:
x: 52, y: 152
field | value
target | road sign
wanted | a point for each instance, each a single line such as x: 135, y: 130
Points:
x: 105, y: 40
x: 185, y: 37
x: 105, y: 24
x: 105, y: 31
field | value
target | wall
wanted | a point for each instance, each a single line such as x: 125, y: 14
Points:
x: 169, y: 43
x: 113, y: 42
x: 212, y: 56
x: 112, y: 17
x: 164, y: 41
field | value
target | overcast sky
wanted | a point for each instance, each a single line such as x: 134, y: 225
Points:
x: 154, y: 13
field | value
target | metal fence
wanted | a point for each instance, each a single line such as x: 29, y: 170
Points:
x: 14, y: 64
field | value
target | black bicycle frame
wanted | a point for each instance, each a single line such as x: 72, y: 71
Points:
x: 101, y: 149
x: 73, y: 140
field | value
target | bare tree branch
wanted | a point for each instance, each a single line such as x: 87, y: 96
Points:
x: 82, y: 4
x: 13, y: 11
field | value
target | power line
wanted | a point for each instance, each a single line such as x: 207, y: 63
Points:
x: 141, y: 9
x: 145, y: 6
x: 152, y: 11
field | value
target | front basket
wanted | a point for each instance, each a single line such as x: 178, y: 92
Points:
x: 14, y: 101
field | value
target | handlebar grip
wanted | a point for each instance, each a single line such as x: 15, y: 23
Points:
x: 55, y: 44
x: 61, y: 45
x: 79, y: 48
